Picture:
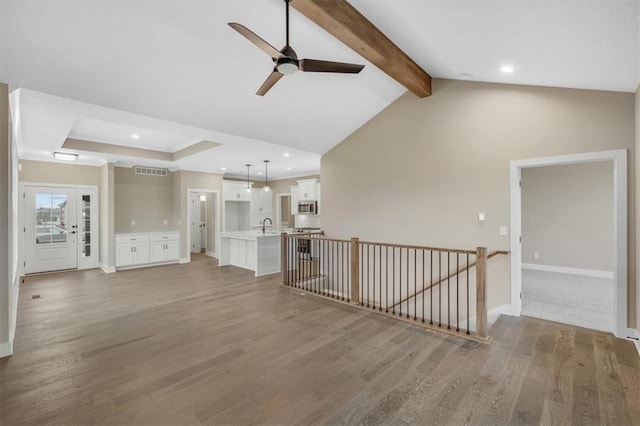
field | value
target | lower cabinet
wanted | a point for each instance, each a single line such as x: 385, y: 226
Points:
x: 141, y: 249
x: 242, y: 253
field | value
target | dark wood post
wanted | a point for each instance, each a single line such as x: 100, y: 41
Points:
x: 481, y: 292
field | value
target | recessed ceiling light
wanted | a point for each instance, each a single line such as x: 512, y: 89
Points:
x: 135, y: 136
x: 286, y: 154
x: 507, y: 69
x: 288, y: 168
x: 65, y: 156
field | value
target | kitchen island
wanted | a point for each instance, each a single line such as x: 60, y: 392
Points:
x: 254, y: 250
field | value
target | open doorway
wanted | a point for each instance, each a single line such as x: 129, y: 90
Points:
x: 569, y: 247
x: 203, y: 212
x: 284, y: 218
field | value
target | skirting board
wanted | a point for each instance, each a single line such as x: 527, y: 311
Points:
x: 572, y: 271
x: 212, y: 254
x: 6, y: 349
x: 492, y: 316
x: 107, y: 269
x: 184, y: 260
x: 634, y: 336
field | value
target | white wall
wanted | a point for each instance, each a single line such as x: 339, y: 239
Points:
x: 568, y: 216
x: 421, y: 170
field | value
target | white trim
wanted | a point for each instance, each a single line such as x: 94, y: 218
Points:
x: 634, y: 336
x: 6, y: 349
x: 184, y: 260
x: 107, y: 269
x: 217, y: 228
x: 13, y: 307
x: 211, y: 254
x: 573, y: 271
x: 492, y: 316
x: 619, y: 158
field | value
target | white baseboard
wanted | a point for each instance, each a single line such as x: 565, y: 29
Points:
x: 634, y: 336
x: 13, y: 308
x: 572, y: 271
x: 107, y: 269
x: 492, y: 316
x: 184, y: 260
x: 212, y: 254
x: 6, y: 349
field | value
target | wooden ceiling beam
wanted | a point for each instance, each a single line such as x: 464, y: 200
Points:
x: 345, y: 23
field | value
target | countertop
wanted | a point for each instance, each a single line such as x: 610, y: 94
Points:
x: 250, y: 235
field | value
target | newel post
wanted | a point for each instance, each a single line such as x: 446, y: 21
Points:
x: 355, y: 270
x: 284, y: 251
x: 481, y: 292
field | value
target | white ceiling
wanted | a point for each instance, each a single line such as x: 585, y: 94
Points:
x: 175, y: 73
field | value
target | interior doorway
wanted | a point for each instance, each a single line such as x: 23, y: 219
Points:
x: 203, y: 211
x: 618, y: 288
x: 284, y: 218
x: 60, y: 228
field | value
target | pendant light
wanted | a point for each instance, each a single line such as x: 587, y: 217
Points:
x: 266, y: 177
x: 248, y: 184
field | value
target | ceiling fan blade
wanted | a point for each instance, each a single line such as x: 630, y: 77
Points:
x: 269, y: 82
x: 315, y: 65
x: 256, y: 39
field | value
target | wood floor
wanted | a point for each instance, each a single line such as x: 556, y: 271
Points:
x: 198, y: 344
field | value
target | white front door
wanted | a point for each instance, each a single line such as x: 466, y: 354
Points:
x: 51, y: 229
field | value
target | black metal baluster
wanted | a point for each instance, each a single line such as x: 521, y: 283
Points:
x: 415, y: 284
x: 368, y: 272
x: 393, y: 280
x: 468, y: 294
x: 400, y: 283
x: 334, y: 255
x: 457, y: 292
x: 448, y: 291
x: 439, y: 289
x: 431, y: 286
x: 380, y: 275
x: 386, y: 275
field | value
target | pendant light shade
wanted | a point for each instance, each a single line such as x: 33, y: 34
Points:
x: 266, y: 177
x: 248, y: 184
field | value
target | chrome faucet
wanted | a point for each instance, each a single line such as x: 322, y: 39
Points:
x: 263, y: 222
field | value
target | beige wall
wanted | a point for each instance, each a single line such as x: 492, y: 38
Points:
x: 637, y: 161
x: 5, y: 242
x: 567, y: 215
x: 146, y: 200
x: 70, y: 174
x: 421, y: 170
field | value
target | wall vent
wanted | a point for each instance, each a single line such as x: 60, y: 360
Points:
x: 151, y: 171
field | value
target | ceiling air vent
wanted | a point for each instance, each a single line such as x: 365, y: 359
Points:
x: 151, y: 171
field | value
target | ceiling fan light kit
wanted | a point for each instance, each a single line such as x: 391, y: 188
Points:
x: 286, y: 60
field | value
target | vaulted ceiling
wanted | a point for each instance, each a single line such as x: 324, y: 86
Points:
x: 177, y: 74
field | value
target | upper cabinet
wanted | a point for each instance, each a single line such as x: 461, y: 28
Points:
x: 236, y: 191
x: 261, y: 202
x: 307, y: 189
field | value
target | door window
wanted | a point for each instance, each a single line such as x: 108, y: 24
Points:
x: 51, y: 218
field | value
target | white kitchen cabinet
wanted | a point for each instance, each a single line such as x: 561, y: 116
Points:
x: 242, y: 253
x: 293, y: 190
x: 307, y: 189
x: 132, y: 249
x: 236, y: 191
x: 261, y: 202
x: 165, y: 247
x: 143, y: 249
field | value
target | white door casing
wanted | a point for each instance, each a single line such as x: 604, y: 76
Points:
x: 619, y: 158
x: 194, y: 222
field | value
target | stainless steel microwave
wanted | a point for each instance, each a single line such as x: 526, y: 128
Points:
x: 307, y: 207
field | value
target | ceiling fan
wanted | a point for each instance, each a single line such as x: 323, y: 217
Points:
x: 286, y: 59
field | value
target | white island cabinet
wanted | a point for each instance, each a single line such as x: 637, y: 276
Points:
x: 251, y: 250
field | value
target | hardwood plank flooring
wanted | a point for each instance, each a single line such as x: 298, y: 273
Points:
x: 202, y: 344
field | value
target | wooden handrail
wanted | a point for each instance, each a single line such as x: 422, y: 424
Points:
x: 460, y: 251
x: 451, y: 275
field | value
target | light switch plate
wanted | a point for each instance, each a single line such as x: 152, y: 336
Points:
x: 482, y: 216
x: 133, y: 223
x: 503, y: 231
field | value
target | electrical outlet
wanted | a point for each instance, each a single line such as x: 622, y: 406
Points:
x: 166, y: 222
x: 536, y: 255
x: 133, y: 223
